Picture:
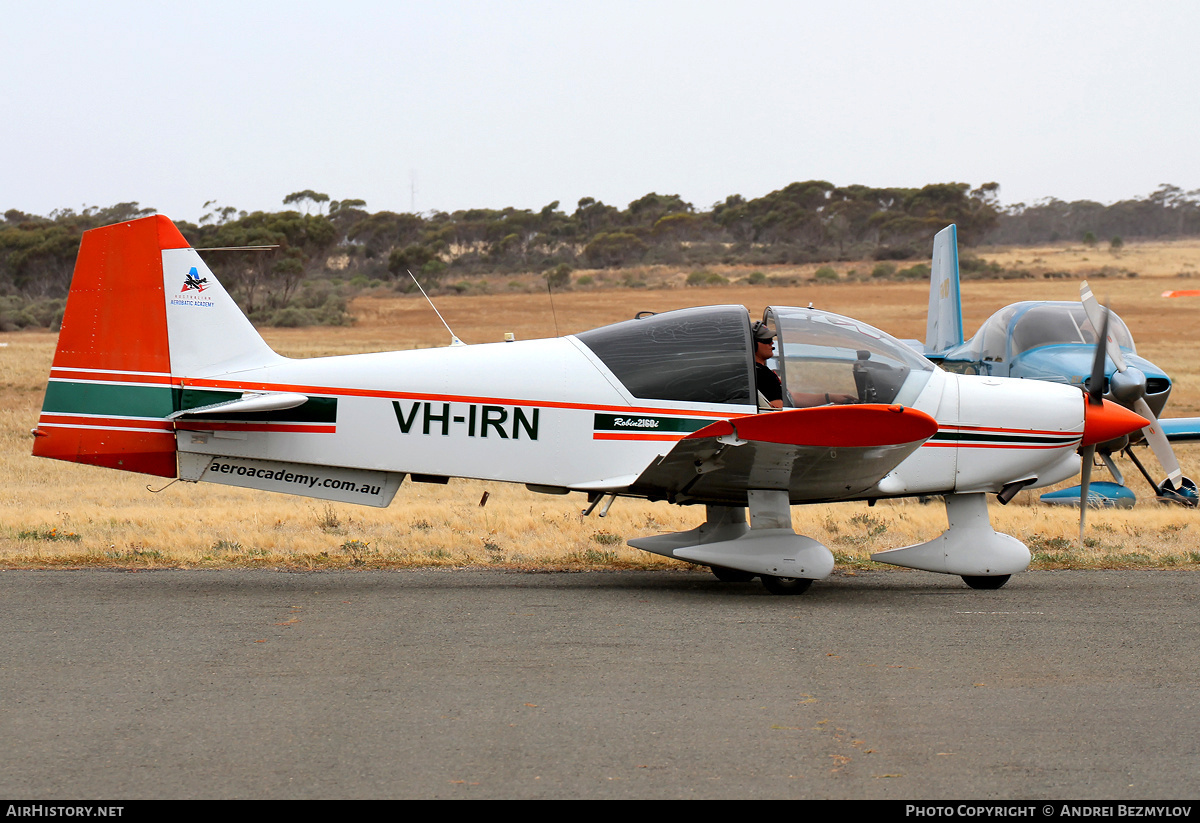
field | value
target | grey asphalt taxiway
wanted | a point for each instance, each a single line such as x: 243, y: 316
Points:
x: 490, y: 684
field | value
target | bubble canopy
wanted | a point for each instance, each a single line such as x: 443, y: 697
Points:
x: 1061, y: 323
x: 820, y: 353
x: 706, y: 355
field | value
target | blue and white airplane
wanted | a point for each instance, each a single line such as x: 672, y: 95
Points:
x: 1055, y: 341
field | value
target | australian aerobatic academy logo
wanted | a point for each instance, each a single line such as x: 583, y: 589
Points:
x: 193, y: 280
x: 193, y: 285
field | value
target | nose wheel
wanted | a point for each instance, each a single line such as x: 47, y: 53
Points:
x: 1185, y: 495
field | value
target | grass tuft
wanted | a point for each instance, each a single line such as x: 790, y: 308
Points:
x: 51, y: 535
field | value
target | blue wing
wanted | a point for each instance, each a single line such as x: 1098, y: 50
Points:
x: 1181, y: 429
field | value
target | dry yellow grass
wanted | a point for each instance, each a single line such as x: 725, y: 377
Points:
x: 70, y: 514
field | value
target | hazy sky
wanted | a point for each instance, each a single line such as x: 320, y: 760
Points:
x: 520, y: 103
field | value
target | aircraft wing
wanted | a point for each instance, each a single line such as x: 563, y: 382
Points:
x: 823, y: 453
x: 1181, y: 429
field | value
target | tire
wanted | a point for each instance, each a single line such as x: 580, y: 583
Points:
x: 1185, y: 495
x: 786, y: 585
x: 728, y: 575
x: 985, y: 582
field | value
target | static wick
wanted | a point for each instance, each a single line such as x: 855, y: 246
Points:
x: 239, y: 248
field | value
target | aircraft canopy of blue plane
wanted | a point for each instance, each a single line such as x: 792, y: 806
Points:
x: 1054, y: 341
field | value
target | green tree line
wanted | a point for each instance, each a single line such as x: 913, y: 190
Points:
x: 1167, y: 212
x: 323, y: 247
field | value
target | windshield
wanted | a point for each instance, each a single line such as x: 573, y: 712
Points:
x: 820, y: 353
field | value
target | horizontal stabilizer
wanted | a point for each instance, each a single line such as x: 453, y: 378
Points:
x: 248, y: 404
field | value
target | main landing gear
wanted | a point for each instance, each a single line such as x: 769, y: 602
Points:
x: 773, y: 584
x: 737, y: 552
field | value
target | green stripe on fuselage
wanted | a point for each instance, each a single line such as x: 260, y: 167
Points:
x: 1064, y: 439
x: 108, y: 399
x: 159, y: 401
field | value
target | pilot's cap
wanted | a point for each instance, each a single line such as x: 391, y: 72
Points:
x: 761, y: 333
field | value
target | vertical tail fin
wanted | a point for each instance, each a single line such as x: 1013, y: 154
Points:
x: 144, y: 312
x: 207, y: 333
x: 944, y: 329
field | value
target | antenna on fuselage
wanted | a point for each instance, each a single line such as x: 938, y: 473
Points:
x: 553, y: 313
x: 454, y: 341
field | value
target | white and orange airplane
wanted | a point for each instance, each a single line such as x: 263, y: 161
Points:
x: 157, y: 371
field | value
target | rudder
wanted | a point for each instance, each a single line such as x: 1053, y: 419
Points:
x: 944, y: 329
x: 110, y: 383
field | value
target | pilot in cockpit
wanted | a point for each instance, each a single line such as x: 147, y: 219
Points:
x: 767, y: 381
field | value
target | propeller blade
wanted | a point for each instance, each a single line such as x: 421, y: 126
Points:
x: 1159, y: 443
x: 1099, y: 317
x: 1087, y: 456
x: 1095, y: 384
